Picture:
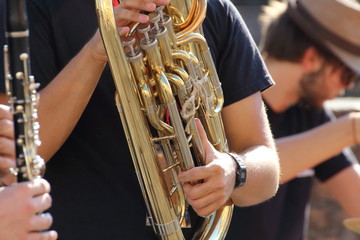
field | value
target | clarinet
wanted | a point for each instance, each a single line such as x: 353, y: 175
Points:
x: 21, y: 92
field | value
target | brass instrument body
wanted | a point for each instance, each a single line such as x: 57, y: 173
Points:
x: 154, y: 77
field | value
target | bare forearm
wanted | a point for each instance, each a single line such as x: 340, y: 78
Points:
x: 345, y: 188
x: 251, y: 138
x: 63, y: 101
x: 262, y: 182
x: 306, y: 150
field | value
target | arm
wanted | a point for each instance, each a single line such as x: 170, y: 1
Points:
x: 64, y: 99
x: 345, y: 188
x: 240, y: 68
x: 250, y: 137
x: 19, y: 204
x: 302, y: 151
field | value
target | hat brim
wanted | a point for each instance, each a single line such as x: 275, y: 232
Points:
x: 303, y: 14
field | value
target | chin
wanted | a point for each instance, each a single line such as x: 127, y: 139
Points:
x: 314, y: 103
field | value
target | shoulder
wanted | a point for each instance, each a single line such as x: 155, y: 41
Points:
x: 223, y: 22
x: 223, y: 12
x: 232, y: 45
x: 220, y: 5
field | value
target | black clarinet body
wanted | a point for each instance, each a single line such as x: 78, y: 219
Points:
x: 21, y: 92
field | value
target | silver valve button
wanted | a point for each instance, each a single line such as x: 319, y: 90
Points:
x: 144, y: 29
x: 160, y: 11
x: 129, y: 42
x: 155, y: 18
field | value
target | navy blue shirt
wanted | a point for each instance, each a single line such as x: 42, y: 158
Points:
x: 95, y: 191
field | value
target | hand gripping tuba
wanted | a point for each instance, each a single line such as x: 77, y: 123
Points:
x: 164, y: 79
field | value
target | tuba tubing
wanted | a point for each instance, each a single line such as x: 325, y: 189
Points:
x: 142, y: 115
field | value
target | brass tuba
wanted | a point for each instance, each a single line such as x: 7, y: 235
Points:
x: 164, y: 79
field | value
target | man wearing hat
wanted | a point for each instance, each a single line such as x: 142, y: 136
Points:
x: 312, y: 50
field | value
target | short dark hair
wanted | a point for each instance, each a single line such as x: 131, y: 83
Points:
x: 281, y: 38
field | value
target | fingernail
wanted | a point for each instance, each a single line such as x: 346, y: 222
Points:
x: 143, y: 18
x: 165, y: 2
x: 46, y: 215
x: 150, y: 6
x: 53, y: 234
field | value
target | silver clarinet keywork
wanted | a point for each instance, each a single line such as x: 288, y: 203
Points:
x: 165, y: 79
x: 21, y: 92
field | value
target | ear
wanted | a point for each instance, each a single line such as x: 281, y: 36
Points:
x: 311, y: 60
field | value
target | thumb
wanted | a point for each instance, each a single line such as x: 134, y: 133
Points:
x: 201, y: 130
x: 123, y: 30
x: 207, y: 146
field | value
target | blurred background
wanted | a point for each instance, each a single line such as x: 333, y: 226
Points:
x: 326, y: 215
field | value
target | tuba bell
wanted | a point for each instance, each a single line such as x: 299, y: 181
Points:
x: 165, y: 77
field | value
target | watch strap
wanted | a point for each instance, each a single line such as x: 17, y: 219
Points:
x: 240, y: 177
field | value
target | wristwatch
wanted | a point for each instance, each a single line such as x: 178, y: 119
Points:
x: 240, y: 177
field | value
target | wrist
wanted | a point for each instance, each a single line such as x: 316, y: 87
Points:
x: 96, y: 49
x: 240, y: 170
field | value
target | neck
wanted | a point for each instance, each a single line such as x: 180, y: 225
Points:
x: 285, y: 92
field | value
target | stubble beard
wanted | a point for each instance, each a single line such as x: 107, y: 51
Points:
x: 313, y: 90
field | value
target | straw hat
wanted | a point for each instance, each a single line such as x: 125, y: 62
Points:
x: 335, y: 24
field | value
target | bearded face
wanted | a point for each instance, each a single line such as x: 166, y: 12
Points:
x: 313, y: 89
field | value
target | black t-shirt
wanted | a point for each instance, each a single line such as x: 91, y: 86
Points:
x: 95, y: 191
x: 284, y: 217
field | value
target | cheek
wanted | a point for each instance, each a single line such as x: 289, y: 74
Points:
x: 339, y: 88
x: 334, y: 85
